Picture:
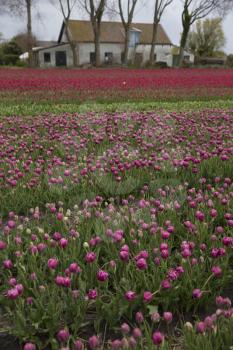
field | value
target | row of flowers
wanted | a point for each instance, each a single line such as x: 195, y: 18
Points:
x: 62, y: 151
x: 114, y: 84
x: 207, y: 333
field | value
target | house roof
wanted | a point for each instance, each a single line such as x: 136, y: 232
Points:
x: 50, y: 47
x: 45, y: 43
x: 40, y: 45
x: 113, y: 32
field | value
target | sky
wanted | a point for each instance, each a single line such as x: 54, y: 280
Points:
x: 47, y: 21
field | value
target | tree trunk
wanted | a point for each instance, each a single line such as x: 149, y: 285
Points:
x: 97, y: 48
x: 183, y: 42
x: 74, y: 53
x: 181, y: 57
x: 29, y: 33
x: 153, y: 43
x: 186, y: 23
x: 126, y: 48
x: 72, y: 44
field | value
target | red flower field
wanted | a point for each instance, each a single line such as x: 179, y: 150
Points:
x: 115, y: 84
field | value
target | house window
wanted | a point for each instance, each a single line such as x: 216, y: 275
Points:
x: 155, y: 57
x: 187, y: 58
x: 108, y: 57
x: 47, y: 57
x: 92, y: 57
x: 134, y: 38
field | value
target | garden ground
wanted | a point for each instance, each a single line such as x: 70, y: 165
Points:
x: 116, y: 208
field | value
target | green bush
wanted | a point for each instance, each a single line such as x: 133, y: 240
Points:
x: 229, y: 61
x: 10, y: 59
x: 9, y: 53
x: 20, y: 63
x: 160, y: 64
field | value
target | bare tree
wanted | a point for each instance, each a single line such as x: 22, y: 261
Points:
x: 224, y: 7
x: 95, y: 9
x: 4, y: 6
x: 21, y: 40
x: 160, y: 7
x: 194, y: 10
x: 66, y: 7
x: 127, y: 20
x: 28, y: 4
x: 20, y: 7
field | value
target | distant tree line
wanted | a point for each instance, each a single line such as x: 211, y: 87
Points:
x: 9, y: 53
x: 11, y: 50
x: 207, y: 38
x: 193, y: 12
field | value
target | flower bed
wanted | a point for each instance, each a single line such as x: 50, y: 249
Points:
x: 114, y: 227
x: 114, y: 84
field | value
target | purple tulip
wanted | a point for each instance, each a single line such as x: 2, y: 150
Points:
x: 158, y: 338
x: 63, y: 335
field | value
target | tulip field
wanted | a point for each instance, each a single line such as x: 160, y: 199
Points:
x: 118, y: 85
x: 116, y: 214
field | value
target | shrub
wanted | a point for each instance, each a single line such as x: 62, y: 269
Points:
x: 229, y: 61
x: 9, y: 53
x: 161, y: 64
x: 10, y: 59
x: 20, y: 63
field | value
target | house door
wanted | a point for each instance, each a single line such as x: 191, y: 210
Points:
x: 175, y: 60
x: 138, y: 59
x: 61, y: 58
x: 92, y: 57
x: 108, y: 57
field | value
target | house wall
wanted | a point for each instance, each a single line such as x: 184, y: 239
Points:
x: 191, y: 56
x: 64, y: 37
x: 162, y: 53
x: 52, y: 51
x: 85, y: 49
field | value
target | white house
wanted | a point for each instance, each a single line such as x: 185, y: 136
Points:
x: 111, y: 46
x: 40, y: 44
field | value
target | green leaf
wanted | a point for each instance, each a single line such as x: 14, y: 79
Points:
x: 152, y: 309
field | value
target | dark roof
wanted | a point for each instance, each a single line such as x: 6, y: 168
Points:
x: 113, y: 32
x: 45, y: 43
x: 50, y: 47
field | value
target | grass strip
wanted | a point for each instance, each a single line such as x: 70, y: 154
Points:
x: 25, y: 109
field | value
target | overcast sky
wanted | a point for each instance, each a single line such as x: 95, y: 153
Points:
x: 47, y: 24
